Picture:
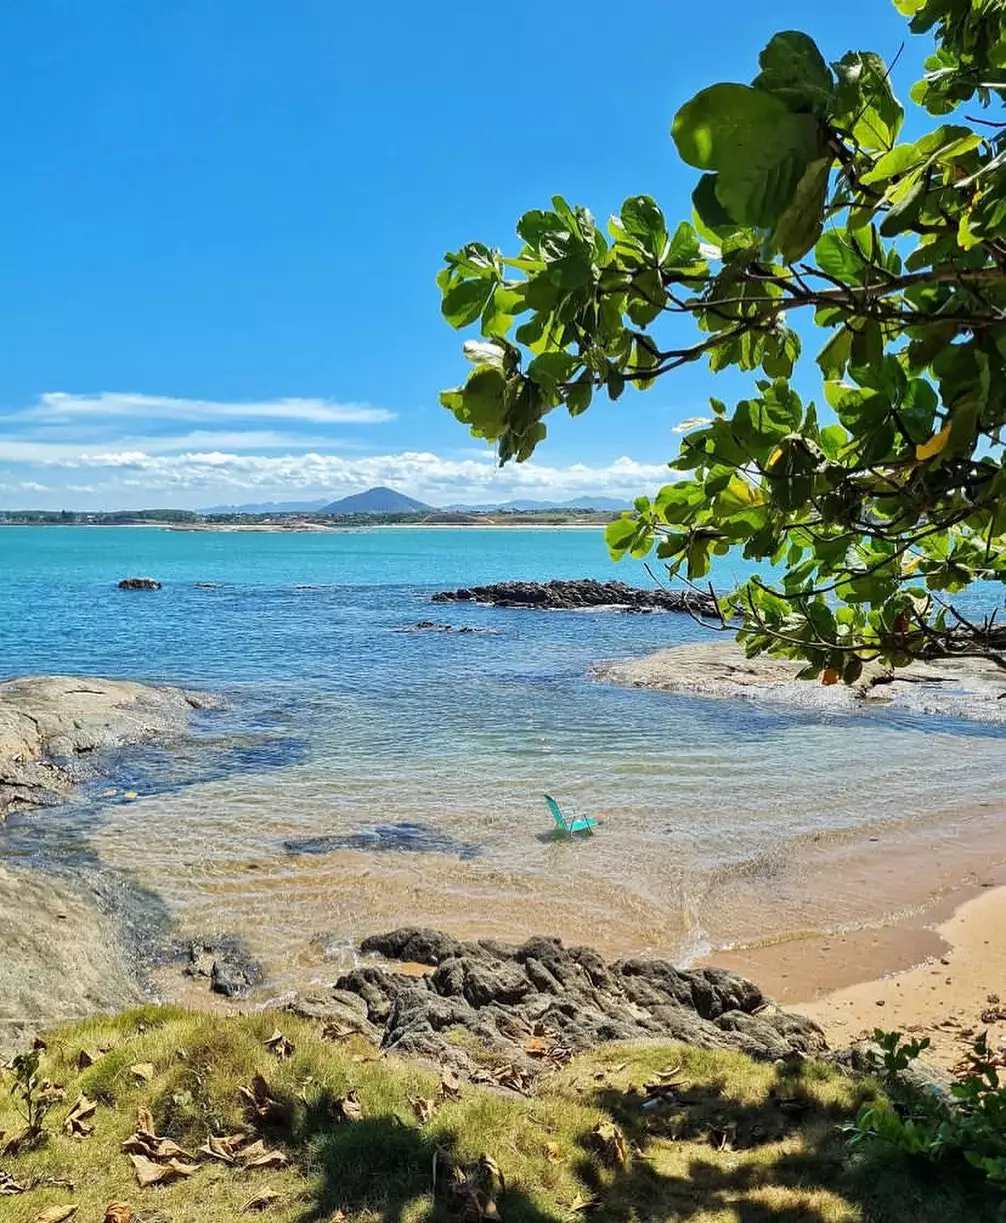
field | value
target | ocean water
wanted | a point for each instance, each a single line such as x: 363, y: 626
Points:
x: 362, y: 776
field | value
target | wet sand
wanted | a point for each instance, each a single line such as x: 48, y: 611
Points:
x: 950, y: 997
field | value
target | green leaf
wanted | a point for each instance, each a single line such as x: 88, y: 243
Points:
x: 759, y: 148
x: 800, y: 225
x: 708, y: 209
x: 464, y: 302
x: 579, y: 395
x: 795, y: 71
x: 548, y: 368
x: 618, y: 535
x: 866, y: 106
x: 834, y: 357
x: 644, y: 221
x: 836, y: 255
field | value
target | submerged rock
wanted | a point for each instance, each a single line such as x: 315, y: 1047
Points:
x: 139, y: 584
x: 580, y: 594
x: 522, y: 1000
x: 227, y: 966
x: 435, y: 626
x: 49, y: 726
x: 387, y: 838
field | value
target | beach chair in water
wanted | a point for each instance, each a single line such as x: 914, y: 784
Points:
x: 569, y: 826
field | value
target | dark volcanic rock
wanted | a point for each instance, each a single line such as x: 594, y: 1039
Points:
x: 139, y: 584
x: 504, y: 995
x: 576, y: 595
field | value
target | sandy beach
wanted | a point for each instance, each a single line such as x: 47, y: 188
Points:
x: 950, y: 996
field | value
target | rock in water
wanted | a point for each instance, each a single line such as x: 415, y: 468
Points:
x: 581, y: 594
x: 49, y: 724
x: 139, y: 584
x: 226, y: 964
x: 508, y: 996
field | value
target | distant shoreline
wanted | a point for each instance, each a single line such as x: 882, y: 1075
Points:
x: 271, y: 528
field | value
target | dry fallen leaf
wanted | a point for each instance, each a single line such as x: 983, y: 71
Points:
x: 268, y: 1159
x: 450, y: 1084
x: 261, y: 1106
x: 554, y: 1153
x: 608, y: 1142
x: 348, y: 1107
x: 149, y: 1173
x: 224, y: 1149
x: 74, y: 1123
x: 86, y: 1058
x: 144, y: 1120
x: 581, y: 1204
x: 423, y: 1108
x: 56, y: 1214
x: 476, y: 1205
x: 144, y: 1071
x: 9, y: 1186
x: 280, y: 1046
x: 118, y: 1212
x: 261, y: 1201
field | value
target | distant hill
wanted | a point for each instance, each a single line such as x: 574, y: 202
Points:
x: 376, y: 501
x: 268, y: 507
x: 576, y: 503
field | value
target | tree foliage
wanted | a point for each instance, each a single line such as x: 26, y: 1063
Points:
x: 869, y: 513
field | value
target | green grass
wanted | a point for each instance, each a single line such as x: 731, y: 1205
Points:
x: 736, y: 1142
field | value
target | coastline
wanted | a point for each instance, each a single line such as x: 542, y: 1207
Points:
x: 949, y: 997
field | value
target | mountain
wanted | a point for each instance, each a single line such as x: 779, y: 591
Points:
x: 267, y: 507
x: 376, y: 501
x: 575, y: 503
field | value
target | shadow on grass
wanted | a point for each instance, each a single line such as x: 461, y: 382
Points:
x: 395, y: 1171
x: 782, y: 1159
x: 699, y: 1154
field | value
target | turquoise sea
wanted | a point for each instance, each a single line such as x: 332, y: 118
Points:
x: 362, y: 776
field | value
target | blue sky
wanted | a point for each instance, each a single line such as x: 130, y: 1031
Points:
x: 222, y: 221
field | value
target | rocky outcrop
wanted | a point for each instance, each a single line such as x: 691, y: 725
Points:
x: 51, y: 725
x: 542, y: 999
x: 958, y: 687
x: 139, y: 584
x: 577, y: 595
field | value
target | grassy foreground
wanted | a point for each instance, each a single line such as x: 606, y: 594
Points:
x: 627, y: 1132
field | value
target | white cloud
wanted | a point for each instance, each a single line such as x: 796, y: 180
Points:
x: 59, y: 407
x: 421, y: 473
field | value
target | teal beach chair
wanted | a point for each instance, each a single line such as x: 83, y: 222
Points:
x: 569, y: 826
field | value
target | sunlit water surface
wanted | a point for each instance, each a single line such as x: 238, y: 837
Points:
x: 363, y: 776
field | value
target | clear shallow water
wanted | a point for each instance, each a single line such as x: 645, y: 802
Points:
x: 365, y: 776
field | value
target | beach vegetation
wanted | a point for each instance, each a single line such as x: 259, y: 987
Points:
x: 200, y: 1118
x: 965, y: 1123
